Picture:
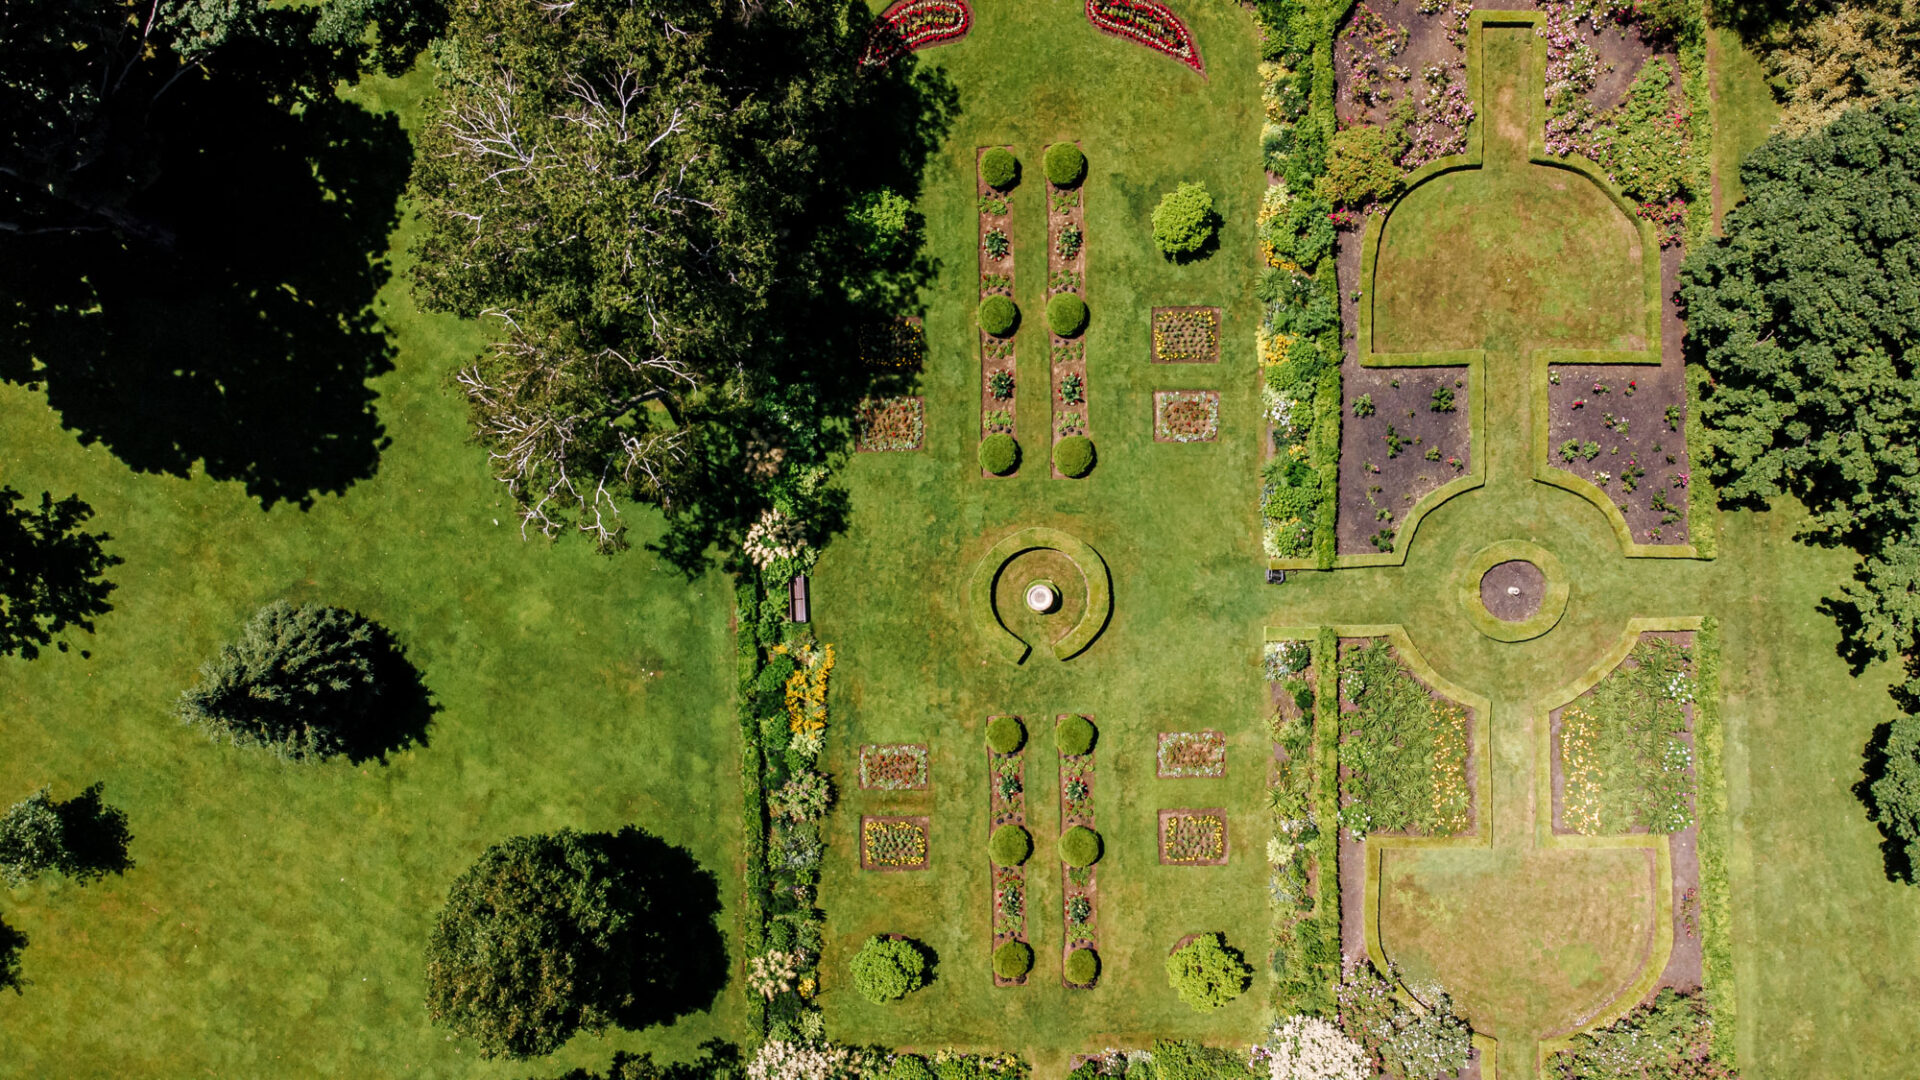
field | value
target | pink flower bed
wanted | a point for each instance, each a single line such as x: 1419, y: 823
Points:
x: 1146, y: 22
x: 915, y: 24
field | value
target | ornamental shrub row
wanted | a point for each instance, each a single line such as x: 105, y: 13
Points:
x: 999, y: 315
x: 999, y: 454
x: 1073, y: 456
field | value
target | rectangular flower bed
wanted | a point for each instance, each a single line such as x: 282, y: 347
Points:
x: 1193, y: 837
x: 895, y: 344
x: 893, y: 767
x: 894, y: 843
x: 1186, y: 335
x: 1185, y: 416
x: 892, y: 423
x: 1192, y: 754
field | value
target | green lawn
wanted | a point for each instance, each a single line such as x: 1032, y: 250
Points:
x: 1744, y: 113
x: 275, y: 920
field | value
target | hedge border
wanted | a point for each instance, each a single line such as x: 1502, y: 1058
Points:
x: 1553, y: 606
x: 986, y: 575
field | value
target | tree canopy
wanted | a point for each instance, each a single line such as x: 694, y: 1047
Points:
x: 1807, y: 318
x: 82, y: 838
x: 50, y: 572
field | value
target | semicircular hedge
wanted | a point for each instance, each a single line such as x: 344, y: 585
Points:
x: 1080, y: 846
x: 999, y: 454
x: 1005, y: 734
x: 1010, y: 845
x: 1067, y: 314
x: 1066, y: 165
x: 999, y: 315
x: 1013, y: 960
x: 1073, y: 456
x: 1074, y: 736
x: 999, y: 169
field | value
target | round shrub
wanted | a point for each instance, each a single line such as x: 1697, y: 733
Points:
x: 1005, y: 734
x: 1066, y: 165
x: 1010, y: 845
x: 1184, y: 223
x: 1080, y: 846
x: 1073, y: 456
x: 1013, y: 960
x: 999, y: 454
x: 888, y: 969
x: 1074, y: 736
x: 1067, y: 314
x: 999, y: 169
x: 999, y: 315
x: 1207, y: 973
x: 910, y: 1067
x: 1083, y: 967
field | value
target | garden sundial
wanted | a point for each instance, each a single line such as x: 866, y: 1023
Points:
x: 1503, y: 261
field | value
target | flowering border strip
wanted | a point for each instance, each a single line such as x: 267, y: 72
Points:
x: 1009, y: 811
x: 1067, y: 356
x: 1154, y: 344
x: 873, y: 751
x: 1148, y: 23
x: 1078, y: 766
x: 1215, y: 742
x: 924, y: 824
x: 911, y: 25
x: 1166, y: 819
x: 996, y: 278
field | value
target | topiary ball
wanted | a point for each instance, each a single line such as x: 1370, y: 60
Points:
x: 1080, y: 846
x: 910, y: 1067
x: 1013, y: 960
x: 1083, y: 967
x: 1074, y: 736
x: 1009, y: 846
x: 1073, y: 456
x: 888, y: 969
x: 1067, y: 314
x: 1005, y: 734
x: 999, y: 169
x: 999, y: 315
x: 1066, y: 165
x: 999, y: 454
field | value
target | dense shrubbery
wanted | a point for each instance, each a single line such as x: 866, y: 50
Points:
x: 1080, y: 846
x: 1073, y: 456
x: 999, y: 169
x: 998, y: 315
x: 81, y: 838
x: 1185, y: 224
x: 888, y: 969
x: 1363, y: 166
x: 1207, y: 973
x: 1822, y: 59
x: 1668, y: 1039
x: 1010, y: 845
x: 1083, y: 967
x: 1066, y: 165
x: 1405, y: 751
x: 1893, y: 794
x: 909, y: 1067
x: 1624, y: 753
x: 1405, y: 1043
x: 1067, y: 314
x: 51, y: 577
x: 999, y: 454
x: 885, y: 225
x: 12, y: 943
x: 1006, y: 734
x: 1013, y: 960
x: 1074, y: 735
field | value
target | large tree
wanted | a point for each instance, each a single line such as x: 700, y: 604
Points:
x: 1807, y: 318
x: 50, y: 572
x: 651, y: 202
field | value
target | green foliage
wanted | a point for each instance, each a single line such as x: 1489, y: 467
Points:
x: 1822, y: 59
x: 1409, y: 1043
x: 1080, y: 846
x: 1627, y: 764
x: 1646, y: 146
x: 12, y: 944
x: 1895, y: 792
x: 305, y: 682
x: 1010, y: 845
x: 888, y: 969
x: 1665, y: 1040
x: 49, y: 572
x: 82, y: 838
x: 1066, y: 165
x: 999, y: 169
x: 1363, y: 166
x: 1185, y: 223
x: 1000, y: 384
x: 1082, y: 967
x: 909, y: 1067
x: 1405, y: 750
x: 1013, y: 960
x: 1442, y: 399
x: 1178, y: 1059
x: 1067, y: 314
x: 998, y: 315
x: 999, y: 454
x: 718, y: 1060
x: 1073, y: 456
x: 885, y: 225
x: 31, y: 839
x: 1074, y: 735
x: 1810, y: 388
x: 1006, y: 734
x: 1207, y: 973
x: 1363, y: 406
x: 1716, y: 887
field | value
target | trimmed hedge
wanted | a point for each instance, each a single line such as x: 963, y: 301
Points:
x: 999, y: 315
x: 1066, y: 165
x: 1080, y: 846
x: 999, y: 454
x: 999, y: 168
x: 1074, y: 736
x: 1013, y: 960
x: 888, y: 969
x: 1006, y: 734
x: 1083, y: 967
x: 1010, y: 845
x: 1067, y: 314
x: 1073, y: 456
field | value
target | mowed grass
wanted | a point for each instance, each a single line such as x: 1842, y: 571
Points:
x: 1744, y: 113
x: 275, y: 920
x: 1175, y: 523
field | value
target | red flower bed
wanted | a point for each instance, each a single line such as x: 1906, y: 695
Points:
x: 915, y: 24
x: 1149, y: 23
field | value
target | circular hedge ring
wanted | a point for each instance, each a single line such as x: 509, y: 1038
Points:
x: 999, y: 315
x: 1067, y: 314
x: 1080, y: 846
x: 1066, y: 165
x: 1009, y: 846
x: 999, y: 454
x: 1073, y: 456
x: 1005, y: 734
x: 999, y: 169
x: 1074, y: 736
x: 1013, y: 960
x: 1083, y: 967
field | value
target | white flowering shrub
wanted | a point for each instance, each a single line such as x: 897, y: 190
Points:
x: 778, y: 1059
x: 774, y: 536
x: 1309, y: 1048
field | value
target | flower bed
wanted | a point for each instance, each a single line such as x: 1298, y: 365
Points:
x: 893, y: 843
x: 1079, y: 886
x: 892, y: 423
x: 1192, y: 754
x: 893, y: 767
x: 895, y: 345
x: 1193, y: 837
x: 998, y: 415
x: 1186, y: 335
x: 915, y: 24
x: 1007, y: 805
x: 1145, y: 22
x: 1185, y: 416
x: 1625, y: 432
x: 1403, y: 750
x: 1067, y: 273
x: 1626, y: 746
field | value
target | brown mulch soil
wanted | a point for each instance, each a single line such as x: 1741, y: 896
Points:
x: 880, y: 751
x: 1067, y: 356
x: 1513, y: 574
x: 1004, y: 266
x: 1401, y: 480
x: 1226, y: 838
x: 1004, y: 812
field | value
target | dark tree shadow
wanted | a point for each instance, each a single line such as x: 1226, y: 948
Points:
x: 52, y: 578
x: 95, y: 836
x: 718, y: 1060
x: 12, y: 944
x: 932, y: 958
x: 238, y: 332
x: 1895, y: 858
x: 675, y: 950
x: 401, y: 714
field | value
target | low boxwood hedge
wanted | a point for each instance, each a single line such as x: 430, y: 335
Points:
x: 1073, y: 456
x: 999, y: 168
x: 1083, y: 967
x: 1066, y: 165
x: 999, y: 454
x: 1080, y: 846
x: 1006, y: 734
x: 1074, y: 736
x: 1010, y: 845
x: 999, y: 315
x: 1013, y: 960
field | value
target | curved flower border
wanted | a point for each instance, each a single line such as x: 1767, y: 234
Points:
x: 1149, y: 23
x: 915, y: 24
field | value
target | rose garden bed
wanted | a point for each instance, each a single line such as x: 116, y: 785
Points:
x: 893, y: 767
x: 1191, y: 755
x: 1186, y: 416
x: 892, y: 424
x: 1193, y: 837
x: 1079, y: 886
x: 1406, y: 432
x: 997, y: 360
x: 1067, y: 273
x: 1007, y: 805
x: 1623, y: 429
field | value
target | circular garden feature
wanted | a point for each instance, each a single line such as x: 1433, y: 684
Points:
x: 1042, y: 597
x: 1514, y: 590
x: 998, y: 611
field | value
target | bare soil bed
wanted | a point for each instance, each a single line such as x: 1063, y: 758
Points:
x: 1405, y: 448
x: 1513, y: 590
